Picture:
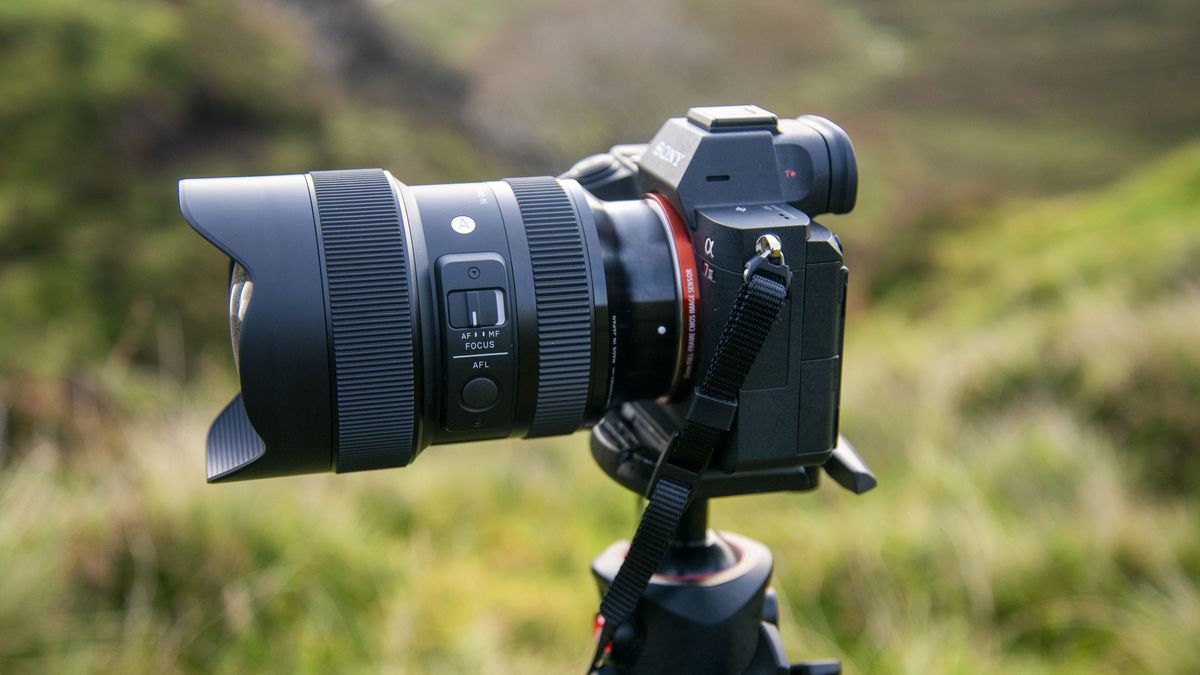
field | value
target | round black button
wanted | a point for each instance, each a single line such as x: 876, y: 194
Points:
x: 480, y: 393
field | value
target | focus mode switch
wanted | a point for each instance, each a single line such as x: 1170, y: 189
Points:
x: 475, y: 309
x: 478, y: 345
x: 480, y: 393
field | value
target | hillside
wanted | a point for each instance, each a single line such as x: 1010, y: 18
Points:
x: 1026, y: 395
x: 950, y: 104
x: 105, y: 293
x: 1089, y: 301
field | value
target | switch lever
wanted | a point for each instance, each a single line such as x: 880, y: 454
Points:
x: 475, y: 308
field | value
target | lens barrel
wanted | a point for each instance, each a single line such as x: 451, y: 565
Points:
x: 386, y: 318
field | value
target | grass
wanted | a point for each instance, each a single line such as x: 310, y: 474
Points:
x: 130, y: 563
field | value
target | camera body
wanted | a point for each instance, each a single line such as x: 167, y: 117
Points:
x: 735, y: 173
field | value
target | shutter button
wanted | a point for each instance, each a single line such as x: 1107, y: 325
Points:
x: 480, y: 393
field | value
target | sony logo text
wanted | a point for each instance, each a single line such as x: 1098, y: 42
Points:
x: 667, y: 154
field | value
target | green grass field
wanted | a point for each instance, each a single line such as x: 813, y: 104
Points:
x: 1028, y: 402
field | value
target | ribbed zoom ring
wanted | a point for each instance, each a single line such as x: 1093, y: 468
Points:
x: 564, y: 304
x: 370, y: 316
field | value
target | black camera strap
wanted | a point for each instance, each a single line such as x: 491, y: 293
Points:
x: 710, y: 415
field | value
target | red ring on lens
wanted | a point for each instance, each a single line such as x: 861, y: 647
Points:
x: 688, y: 280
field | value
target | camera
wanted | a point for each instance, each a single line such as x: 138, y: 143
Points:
x: 371, y: 319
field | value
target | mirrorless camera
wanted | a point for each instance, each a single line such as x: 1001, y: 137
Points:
x: 371, y: 319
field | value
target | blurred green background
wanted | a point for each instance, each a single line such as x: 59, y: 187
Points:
x: 1022, y: 359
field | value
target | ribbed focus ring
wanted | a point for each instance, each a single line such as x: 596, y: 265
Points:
x: 370, y: 316
x: 564, y: 304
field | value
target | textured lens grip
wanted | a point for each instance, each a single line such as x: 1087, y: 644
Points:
x: 370, y: 314
x: 563, y: 297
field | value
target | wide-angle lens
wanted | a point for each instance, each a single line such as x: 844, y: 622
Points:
x: 370, y: 320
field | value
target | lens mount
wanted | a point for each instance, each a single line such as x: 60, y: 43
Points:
x: 687, y: 284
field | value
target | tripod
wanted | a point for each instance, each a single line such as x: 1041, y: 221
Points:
x: 709, y: 607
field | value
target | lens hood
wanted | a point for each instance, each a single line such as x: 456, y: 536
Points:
x: 281, y: 422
